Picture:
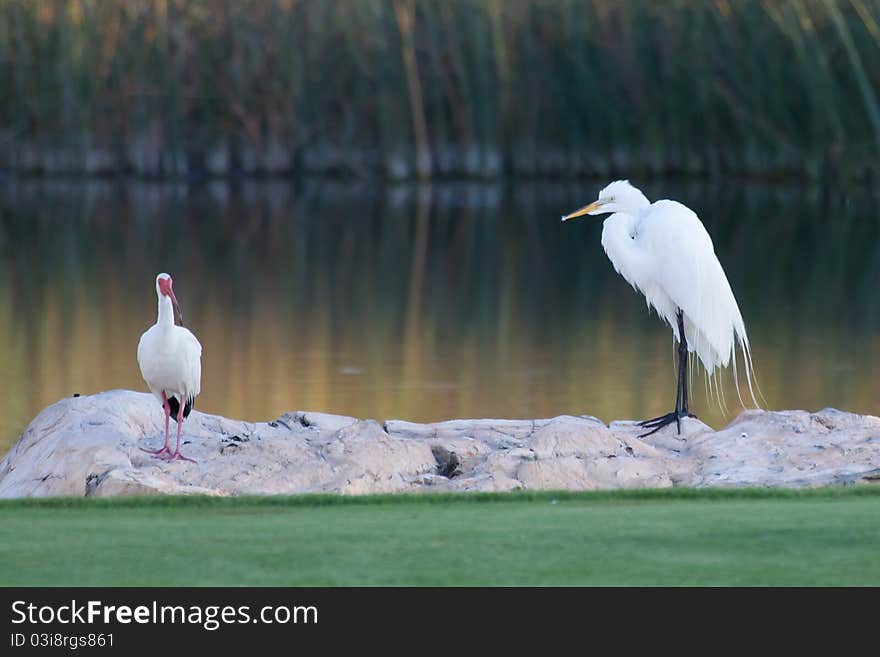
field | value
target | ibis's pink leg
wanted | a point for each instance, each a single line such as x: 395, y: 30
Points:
x: 167, y: 448
x: 177, y: 456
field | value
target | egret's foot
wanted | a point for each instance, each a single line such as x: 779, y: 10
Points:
x: 177, y: 456
x: 665, y: 420
x: 158, y: 453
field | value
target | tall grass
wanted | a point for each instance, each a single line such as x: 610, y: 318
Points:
x: 520, y: 87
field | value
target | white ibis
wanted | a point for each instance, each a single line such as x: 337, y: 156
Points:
x: 170, y: 358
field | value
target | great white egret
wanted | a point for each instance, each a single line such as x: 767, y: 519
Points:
x: 663, y: 251
x: 170, y: 358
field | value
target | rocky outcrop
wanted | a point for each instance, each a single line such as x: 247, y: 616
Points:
x: 92, y: 446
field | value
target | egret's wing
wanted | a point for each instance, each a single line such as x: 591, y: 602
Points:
x: 688, y: 272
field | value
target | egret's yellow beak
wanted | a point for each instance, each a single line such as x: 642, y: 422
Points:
x: 587, y: 209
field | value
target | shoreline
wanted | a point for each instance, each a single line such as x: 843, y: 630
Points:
x: 91, y: 446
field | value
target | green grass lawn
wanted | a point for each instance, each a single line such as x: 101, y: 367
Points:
x: 676, y: 537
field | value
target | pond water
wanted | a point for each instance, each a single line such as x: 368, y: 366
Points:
x: 425, y: 303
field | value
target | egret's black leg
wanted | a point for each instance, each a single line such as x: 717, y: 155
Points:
x: 681, y: 392
x: 682, y: 370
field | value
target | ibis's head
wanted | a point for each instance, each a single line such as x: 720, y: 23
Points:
x: 619, y: 196
x: 164, y: 288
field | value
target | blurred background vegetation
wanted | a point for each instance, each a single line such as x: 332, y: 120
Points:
x: 440, y: 88
x: 325, y: 288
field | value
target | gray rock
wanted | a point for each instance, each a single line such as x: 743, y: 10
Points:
x: 789, y: 449
x: 91, y: 446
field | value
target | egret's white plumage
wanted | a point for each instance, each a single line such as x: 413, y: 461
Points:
x: 170, y: 358
x: 663, y: 250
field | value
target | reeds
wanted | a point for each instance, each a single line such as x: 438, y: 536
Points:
x: 457, y: 88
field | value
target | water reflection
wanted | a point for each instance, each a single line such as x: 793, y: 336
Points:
x: 426, y: 303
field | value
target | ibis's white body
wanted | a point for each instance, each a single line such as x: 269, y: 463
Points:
x: 170, y: 357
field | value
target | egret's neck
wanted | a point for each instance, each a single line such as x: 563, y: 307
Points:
x: 620, y: 234
x: 166, y: 311
x: 620, y: 228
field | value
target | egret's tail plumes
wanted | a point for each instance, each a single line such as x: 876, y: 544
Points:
x: 716, y: 354
x: 714, y: 361
x: 749, y: 367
